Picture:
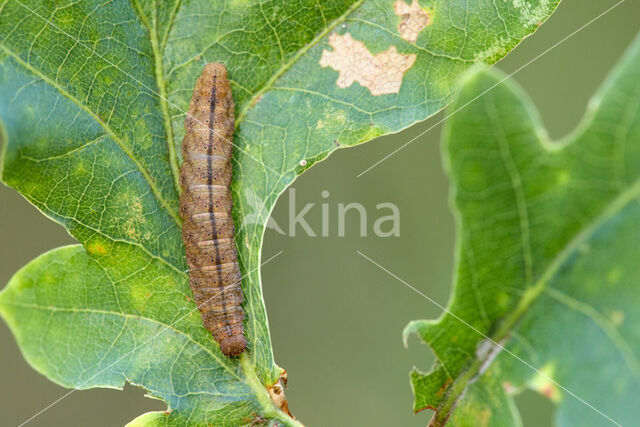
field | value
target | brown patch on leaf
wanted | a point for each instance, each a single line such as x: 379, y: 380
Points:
x: 432, y: 408
x: 276, y: 392
x: 508, y: 387
x: 550, y: 391
x: 96, y: 249
x: 381, y: 73
x: 444, y: 387
x: 413, y: 19
x: 257, y: 420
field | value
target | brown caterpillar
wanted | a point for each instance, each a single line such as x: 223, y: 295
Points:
x: 205, y: 207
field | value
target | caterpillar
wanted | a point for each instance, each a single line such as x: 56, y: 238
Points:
x: 205, y: 207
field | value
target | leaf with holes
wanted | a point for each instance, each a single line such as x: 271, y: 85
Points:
x: 547, y: 288
x: 93, y: 96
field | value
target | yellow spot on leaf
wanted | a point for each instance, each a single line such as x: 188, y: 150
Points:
x: 614, y: 276
x: 563, y: 177
x: 136, y: 218
x: 97, y: 246
x: 131, y: 231
x: 136, y: 209
x: 617, y: 317
x: 496, y: 51
x: 542, y: 384
x: 47, y: 279
x: 413, y: 19
x: 372, y: 132
x: 483, y: 417
x: 139, y: 297
x: 381, y: 73
x: 96, y: 249
x: 533, y: 15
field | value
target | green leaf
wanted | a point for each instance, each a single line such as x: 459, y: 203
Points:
x: 93, y: 96
x: 547, y: 259
x: 78, y: 324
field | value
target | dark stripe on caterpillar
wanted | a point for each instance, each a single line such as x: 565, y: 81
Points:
x: 205, y: 207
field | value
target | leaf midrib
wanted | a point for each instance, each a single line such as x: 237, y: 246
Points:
x: 158, y: 69
x: 531, y: 295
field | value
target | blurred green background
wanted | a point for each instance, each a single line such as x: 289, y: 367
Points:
x: 336, y: 319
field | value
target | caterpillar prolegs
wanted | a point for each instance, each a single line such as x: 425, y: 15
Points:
x: 205, y: 207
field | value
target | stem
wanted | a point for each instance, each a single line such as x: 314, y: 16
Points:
x: 260, y: 391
